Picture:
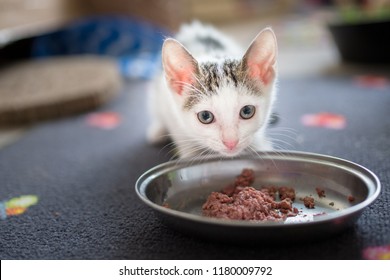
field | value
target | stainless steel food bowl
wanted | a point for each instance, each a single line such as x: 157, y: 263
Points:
x: 177, y: 190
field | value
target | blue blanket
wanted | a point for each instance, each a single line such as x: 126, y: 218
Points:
x: 135, y: 44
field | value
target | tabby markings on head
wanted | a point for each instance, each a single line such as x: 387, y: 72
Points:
x: 212, y: 75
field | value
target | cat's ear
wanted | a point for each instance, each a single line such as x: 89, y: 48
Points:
x: 260, y: 59
x: 179, y: 66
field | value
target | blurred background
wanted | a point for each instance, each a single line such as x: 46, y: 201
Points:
x: 298, y: 24
x: 108, y: 41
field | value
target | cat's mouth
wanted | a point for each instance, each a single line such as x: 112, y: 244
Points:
x: 226, y: 150
x: 229, y: 152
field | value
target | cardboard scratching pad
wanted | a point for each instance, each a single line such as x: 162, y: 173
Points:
x: 55, y: 87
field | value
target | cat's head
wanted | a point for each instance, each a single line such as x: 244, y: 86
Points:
x: 226, y: 101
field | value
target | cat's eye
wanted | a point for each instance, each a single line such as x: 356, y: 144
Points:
x: 205, y: 117
x: 247, y: 112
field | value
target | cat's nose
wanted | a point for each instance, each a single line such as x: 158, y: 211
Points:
x: 230, y: 144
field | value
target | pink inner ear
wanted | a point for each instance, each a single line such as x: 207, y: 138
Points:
x: 263, y: 72
x: 179, y: 66
x: 261, y: 57
x: 179, y: 79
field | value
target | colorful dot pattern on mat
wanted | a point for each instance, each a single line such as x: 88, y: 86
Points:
x: 377, y: 253
x: 372, y: 81
x: 325, y: 120
x: 17, y: 205
x: 104, y: 120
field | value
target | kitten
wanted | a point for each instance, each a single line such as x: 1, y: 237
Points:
x: 213, y: 98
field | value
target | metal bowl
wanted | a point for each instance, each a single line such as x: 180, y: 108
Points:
x: 185, y: 186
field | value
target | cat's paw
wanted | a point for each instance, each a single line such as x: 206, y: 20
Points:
x: 156, y: 134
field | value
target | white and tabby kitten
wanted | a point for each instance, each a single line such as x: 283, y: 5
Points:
x: 213, y: 98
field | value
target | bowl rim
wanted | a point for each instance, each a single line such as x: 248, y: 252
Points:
x: 372, y: 183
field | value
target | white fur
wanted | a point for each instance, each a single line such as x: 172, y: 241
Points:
x: 193, y: 138
x: 188, y: 33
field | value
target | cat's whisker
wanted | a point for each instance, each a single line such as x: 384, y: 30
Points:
x: 257, y: 154
x: 286, y: 134
x: 169, y: 146
x: 190, y: 148
x: 278, y: 143
x: 189, y: 87
x: 172, y: 148
x: 199, y: 82
x: 283, y: 137
x: 200, y: 156
x: 285, y: 128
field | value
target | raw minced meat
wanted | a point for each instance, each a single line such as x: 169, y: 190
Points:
x: 248, y: 204
x: 240, y: 201
x: 308, y: 201
x: 286, y: 192
x: 320, y: 192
